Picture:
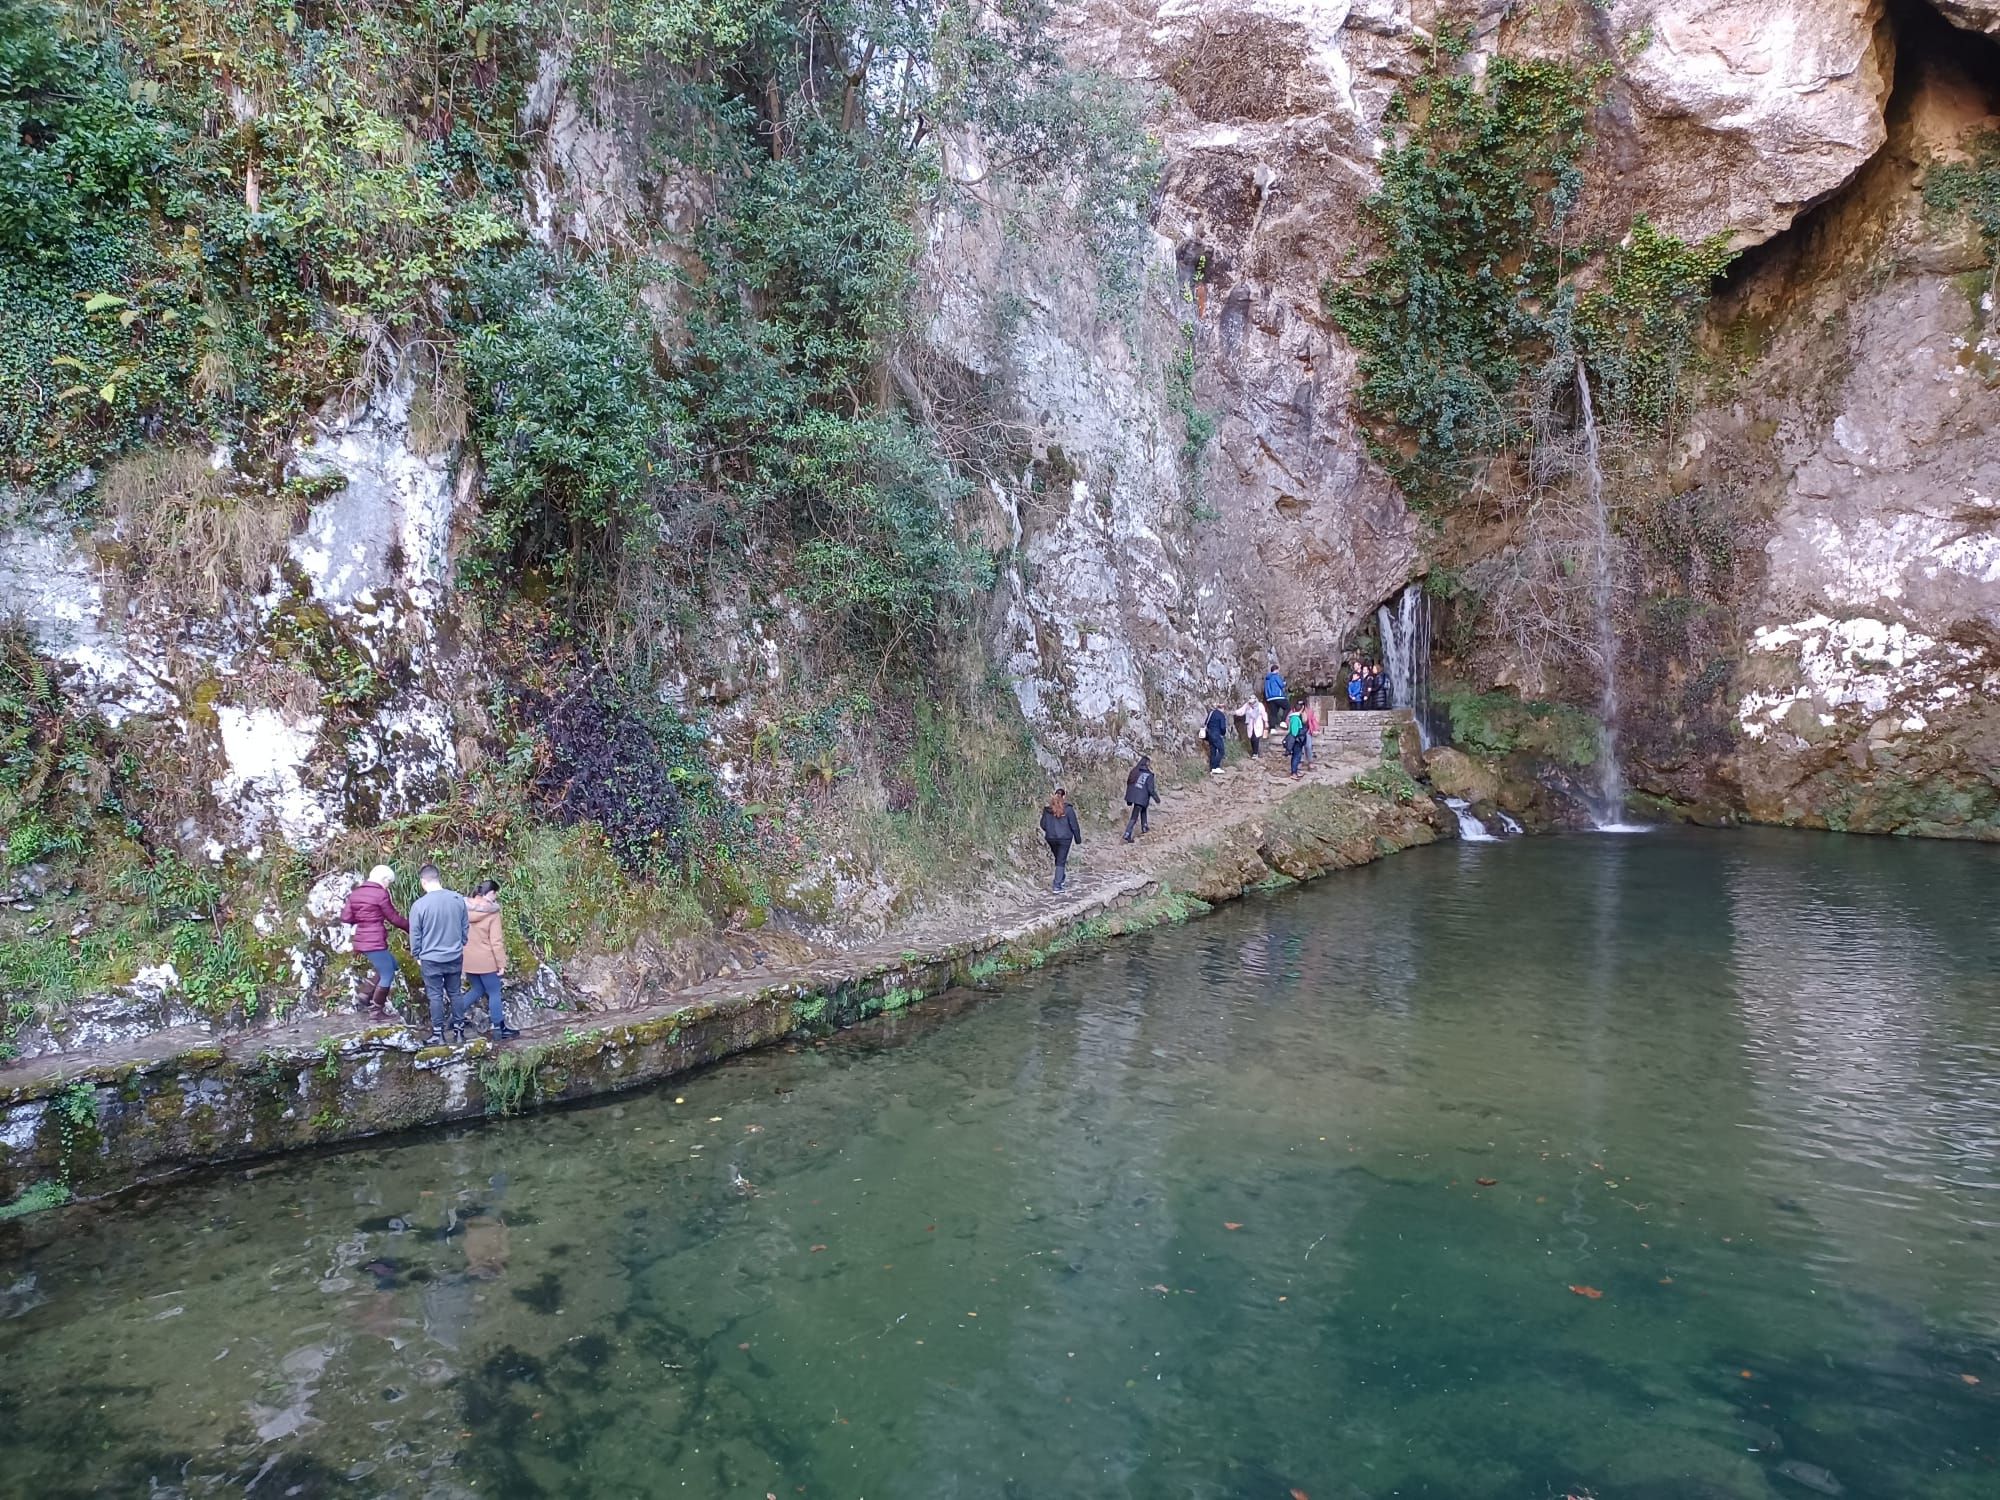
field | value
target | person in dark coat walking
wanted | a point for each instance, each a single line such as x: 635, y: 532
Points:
x: 371, y: 911
x: 1142, y: 790
x: 1216, y: 732
x: 1061, y: 829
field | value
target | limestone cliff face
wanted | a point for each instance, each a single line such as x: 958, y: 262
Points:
x: 1146, y: 572
x: 1867, y: 432
x: 1143, y: 589
x: 302, y: 700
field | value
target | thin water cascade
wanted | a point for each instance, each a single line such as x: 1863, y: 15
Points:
x: 1470, y: 829
x: 1607, y: 807
x: 1507, y: 824
x: 1406, y: 654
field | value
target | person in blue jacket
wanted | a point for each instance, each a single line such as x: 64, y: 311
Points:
x: 1275, y: 700
x: 1216, y: 732
x: 1357, y: 687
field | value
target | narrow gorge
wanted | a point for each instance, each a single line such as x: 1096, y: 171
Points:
x: 714, y: 468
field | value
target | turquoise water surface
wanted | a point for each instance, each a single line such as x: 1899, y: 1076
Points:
x: 1654, y: 1166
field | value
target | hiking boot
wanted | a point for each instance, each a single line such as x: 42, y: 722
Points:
x: 505, y: 1033
x: 435, y: 1039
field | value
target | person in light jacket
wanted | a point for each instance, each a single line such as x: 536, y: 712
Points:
x: 1061, y: 829
x: 1142, y: 790
x: 371, y: 911
x: 486, y: 956
x: 1256, y: 722
x: 439, y: 926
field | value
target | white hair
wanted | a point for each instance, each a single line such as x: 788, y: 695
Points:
x: 381, y: 875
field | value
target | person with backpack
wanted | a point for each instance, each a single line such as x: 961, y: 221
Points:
x: 1216, y: 732
x: 1275, y: 701
x: 1295, y: 739
x: 1142, y: 790
x: 1061, y: 829
x: 486, y: 957
x: 371, y: 911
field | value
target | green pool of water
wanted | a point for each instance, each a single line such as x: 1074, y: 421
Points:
x: 1657, y: 1166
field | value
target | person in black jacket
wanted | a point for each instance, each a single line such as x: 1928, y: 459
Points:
x: 1216, y: 732
x: 1142, y: 790
x: 1061, y: 829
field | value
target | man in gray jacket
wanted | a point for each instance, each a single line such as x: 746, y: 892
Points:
x: 438, y: 928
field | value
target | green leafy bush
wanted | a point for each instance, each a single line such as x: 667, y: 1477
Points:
x: 575, y: 425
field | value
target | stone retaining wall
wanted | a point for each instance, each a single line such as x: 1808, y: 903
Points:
x: 106, y: 1126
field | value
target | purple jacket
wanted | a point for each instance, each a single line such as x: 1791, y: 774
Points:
x: 370, y: 911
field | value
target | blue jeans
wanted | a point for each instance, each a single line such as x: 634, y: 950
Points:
x: 441, y: 986
x: 385, y: 966
x: 1298, y: 753
x: 489, y: 986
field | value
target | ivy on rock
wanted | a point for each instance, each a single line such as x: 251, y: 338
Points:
x: 1485, y: 283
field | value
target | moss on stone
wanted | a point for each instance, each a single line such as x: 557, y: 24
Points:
x: 1500, y: 724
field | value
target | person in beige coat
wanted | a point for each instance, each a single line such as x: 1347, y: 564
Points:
x: 486, y: 955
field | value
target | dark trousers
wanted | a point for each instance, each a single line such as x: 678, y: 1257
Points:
x: 1256, y: 743
x: 1298, y: 751
x: 1214, y: 754
x: 1278, y: 708
x: 1060, y: 849
x: 442, y: 982
x: 1137, y: 819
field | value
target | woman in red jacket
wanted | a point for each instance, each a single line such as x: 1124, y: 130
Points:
x: 371, y: 912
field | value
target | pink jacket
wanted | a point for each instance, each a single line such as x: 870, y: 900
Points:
x: 371, y: 912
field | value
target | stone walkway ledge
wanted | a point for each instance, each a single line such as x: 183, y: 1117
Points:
x: 74, y: 1127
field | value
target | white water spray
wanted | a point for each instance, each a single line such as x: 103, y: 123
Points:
x: 1406, y: 654
x: 1608, y: 806
x: 1470, y: 829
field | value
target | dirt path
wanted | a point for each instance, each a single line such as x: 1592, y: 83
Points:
x: 1104, y: 871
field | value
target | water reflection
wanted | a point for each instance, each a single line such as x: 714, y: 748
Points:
x: 1636, y: 1167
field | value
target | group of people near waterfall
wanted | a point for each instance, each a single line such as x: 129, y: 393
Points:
x: 455, y: 940
x: 1367, y: 686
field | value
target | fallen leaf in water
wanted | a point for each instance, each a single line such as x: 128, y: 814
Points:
x: 1587, y: 1291
x: 1970, y: 1379
x: 1227, y: 1225
x: 1666, y: 1281
x: 743, y: 1346
x: 1746, y: 1375
x: 817, y: 1248
x: 1160, y: 1288
x: 1300, y: 1495
x: 1486, y: 1181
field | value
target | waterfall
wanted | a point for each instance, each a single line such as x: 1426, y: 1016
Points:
x: 1470, y: 828
x: 1406, y: 654
x: 1608, y: 805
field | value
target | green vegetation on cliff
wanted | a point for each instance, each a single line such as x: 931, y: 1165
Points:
x: 1486, y: 291
x: 223, y: 220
